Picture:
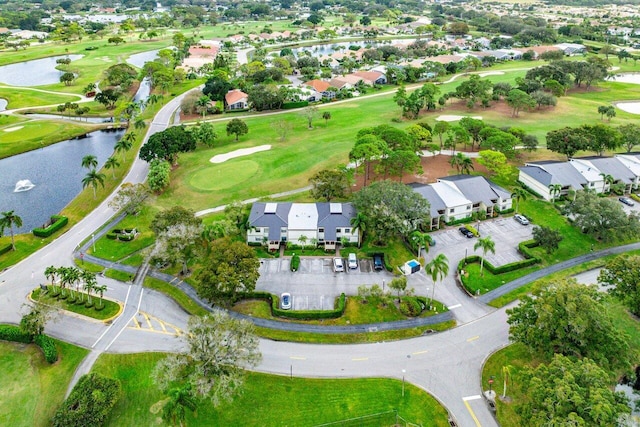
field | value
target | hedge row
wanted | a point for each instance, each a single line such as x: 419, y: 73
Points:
x: 14, y: 333
x: 461, y: 221
x: 298, y: 104
x: 59, y: 221
x: 48, y: 347
x: 295, y: 263
x: 5, y: 249
x: 523, y: 248
x: 89, y: 403
x: 498, y: 270
x: 300, y: 314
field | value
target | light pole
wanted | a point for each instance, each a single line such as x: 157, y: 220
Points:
x: 93, y: 242
x: 478, y: 227
x: 403, y: 372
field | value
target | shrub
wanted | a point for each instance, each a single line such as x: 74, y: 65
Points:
x: 473, y: 230
x: 5, y: 249
x: 295, y: 263
x: 112, y: 236
x: 298, y: 104
x: 461, y: 221
x: 410, y: 306
x: 48, y: 347
x: 90, y: 402
x: 14, y: 333
x: 126, y: 237
x: 302, y: 315
x: 58, y: 221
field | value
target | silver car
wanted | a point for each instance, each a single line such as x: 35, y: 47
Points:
x: 338, y: 265
x: 521, y: 219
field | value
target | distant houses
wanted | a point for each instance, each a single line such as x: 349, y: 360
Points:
x: 236, y: 100
x: 326, y: 224
x: 552, y: 179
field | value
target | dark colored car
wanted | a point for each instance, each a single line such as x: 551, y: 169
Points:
x: 466, y: 232
x: 378, y: 263
x: 627, y: 201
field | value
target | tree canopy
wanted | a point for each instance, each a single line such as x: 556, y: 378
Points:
x: 168, y: 144
x: 622, y: 276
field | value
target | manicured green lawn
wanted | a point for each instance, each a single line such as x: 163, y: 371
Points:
x: 32, y: 389
x: 122, y: 276
x: 110, y: 308
x: 486, y: 282
x: 269, y: 400
x: 20, y: 98
x: 36, y: 134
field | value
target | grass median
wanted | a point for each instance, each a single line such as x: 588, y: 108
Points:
x: 99, y: 310
x: 283, y: 401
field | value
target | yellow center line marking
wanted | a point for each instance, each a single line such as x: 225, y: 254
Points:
x: 475, y: 419
x: 297, y: 358
x: 135, y: 322
x: 473, y: 338
x: 360, y: 359
x: 162, y: 326
x: 148, y: 321
x: 420, y: 352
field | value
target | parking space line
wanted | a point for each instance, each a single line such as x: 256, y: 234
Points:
x: 420, y: 352
x: 360, y: 359
x: 473, y: 338
x: 297, y: 358
x: 148, y: 321
x: 136, y: 323
x: 451, y: 307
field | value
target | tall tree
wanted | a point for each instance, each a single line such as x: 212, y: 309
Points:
x: 180, y: 399
x: 568, y: 318
x: 90, y: 162
x: 630, y: 136
x: 167, y: 144
x: 328, y: 184
x: 237, y: 127
x: 487, y: 245
x: 112, y: 163
x: 437, y: 268
x: 518, y: 100
x: 230, y: 270
x: 622, y: 277
x: 519, y: 193
x: 9, y: 220
x: 219, y: 349
x: 547, y: 238
x: 125, y: 143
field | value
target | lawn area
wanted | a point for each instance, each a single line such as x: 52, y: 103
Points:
x: 517, y: 356
x: 25, y: 97
x: 32, y: 389
x: 115, y: 250
x: 307, y: 401
x: 355, y: 313
x: 110, y: 309
x: 488, y: 281
x: 396, y: 252
x: 36, y: 134
x: 182, y: 299
x: 121, y: 276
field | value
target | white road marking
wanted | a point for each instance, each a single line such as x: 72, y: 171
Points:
x: 105, y: 332
x: 360, y: 359
x: 474, y: 397
x: 420, y: 352
x: 454, y: 306
x: 297, y: 358
x: 125, y: 326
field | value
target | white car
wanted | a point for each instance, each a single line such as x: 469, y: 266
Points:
x: 285, y: 301
x: 338, y: 265
x: 521, y: 219
x: 352, y: 261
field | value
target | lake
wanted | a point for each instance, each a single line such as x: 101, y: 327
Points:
x: 57, y: 174
x: 34, y: 73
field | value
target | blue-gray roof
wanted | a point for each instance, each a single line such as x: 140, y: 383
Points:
x: 275, y: 221
x: 478, y: 188
x: 331, y: 221
x: 435, y: 202
x: 612, y: 166
x: 562, y: 173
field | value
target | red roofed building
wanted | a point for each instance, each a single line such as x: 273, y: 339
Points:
x: 372, y: 77
x: 236, y: 100
x: 321, y: 88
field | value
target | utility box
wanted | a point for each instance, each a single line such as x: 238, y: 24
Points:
x: 410, y: 267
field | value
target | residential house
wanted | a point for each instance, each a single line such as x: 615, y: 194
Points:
x: 371, y: 77
x: 571, y: 49
x: 613, y: 167
x: 321, y: 89
x: 543, y: 177
x: 485, y: 195
x: 632, y: 162
x: 236, y: 99
x: 445, y: 204
x: 324, y: 223
x: 199, y: 56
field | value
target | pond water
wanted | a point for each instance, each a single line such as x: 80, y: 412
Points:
x: 33, y: 73
x: 329, y: 48
x: 3, y: 104
x: 138, y: 59
x: 72, y: 118
x: 55, y: 171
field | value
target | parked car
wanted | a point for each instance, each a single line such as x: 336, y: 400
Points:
x: 466, y: 232
x: 627, y: 201
x: 285, y: 301
x: 521, y: 219
x: 352, y: 261
x: 338, y: 265
x: 378, y: 263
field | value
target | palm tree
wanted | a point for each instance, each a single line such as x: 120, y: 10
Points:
x: 175, y: 409
x: 359, y: 222
x: 139, y: 124
x: 466, y: 165
x: 90, y: 162
x: 438, y: 269
x: 92, y: 179
x: 487, y: 245
x: 506, y: 374
x: 112, y: 163
x: 9, y: 220
x: 519, y: 193
x: 50, y: 273
x: 303, y: 241
x: 90, y: 283
x: 326, y: 116
x: 454, y: 162
x: 608, y: 180
x: 125, y: 143
x: 100, y: 289
x: 422, y: 240
x: 202, y: 104
x: 74, y: 277
x: 554, y: 190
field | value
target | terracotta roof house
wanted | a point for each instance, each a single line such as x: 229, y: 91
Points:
x: 321, y: 88
x: 236, y: 100
x: 372, y: 77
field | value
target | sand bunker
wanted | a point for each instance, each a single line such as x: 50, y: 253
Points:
x: 491, y: 73
x: 455, y: 118
x: 629, y: 107
x: 220, y: 158
x: 13, y: 129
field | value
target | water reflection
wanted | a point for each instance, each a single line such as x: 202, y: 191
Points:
x: 34, y: 73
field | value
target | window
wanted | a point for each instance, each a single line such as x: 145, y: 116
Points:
x: 338, y: 230
x: 258, y: 230
x: 347, y: 230
x: 591, y: 184
x: 452, y: 210
x: 468, y: 207
x: 476, y: 205
x: 321, y: 230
